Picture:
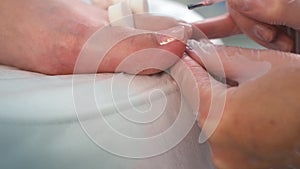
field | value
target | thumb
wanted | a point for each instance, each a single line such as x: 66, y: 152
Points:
x: 239, y: 64
x: 273, y: 12
x: 202, y: 92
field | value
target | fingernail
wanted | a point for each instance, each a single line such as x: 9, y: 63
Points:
x: 167, y: 36
x: 203, y: 46
x: 264, y: 33
x: 201, y: 51
x: 283, y: 46
x: 188, y: 47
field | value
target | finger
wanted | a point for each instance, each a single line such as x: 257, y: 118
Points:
x: 212, y: 94
x: 264, y: 34
x: 197, y: 86
x: 218, y: 27
x: 281, y: 12
x: 190, y: 77
x: 239, y: 64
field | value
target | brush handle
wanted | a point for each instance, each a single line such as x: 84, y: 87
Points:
x: 204, y: 3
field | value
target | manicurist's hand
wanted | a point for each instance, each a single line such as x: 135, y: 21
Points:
x: 47, y: 36
x: 257, y: 124
x: 260, y: 20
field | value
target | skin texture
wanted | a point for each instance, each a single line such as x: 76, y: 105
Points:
x: 260, y: 125
x: 259, y: 128
x: 262, y: 21
x: 47, y: 36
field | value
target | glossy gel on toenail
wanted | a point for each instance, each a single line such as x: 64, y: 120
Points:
x: 167, y: 36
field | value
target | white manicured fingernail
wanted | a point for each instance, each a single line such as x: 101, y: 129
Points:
x: 264, y: 33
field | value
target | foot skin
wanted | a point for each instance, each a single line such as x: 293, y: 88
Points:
x: 46, y: 36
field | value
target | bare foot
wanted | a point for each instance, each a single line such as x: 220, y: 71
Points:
x: 47, y: 36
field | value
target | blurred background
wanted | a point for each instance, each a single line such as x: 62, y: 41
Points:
x: 219, y: 9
